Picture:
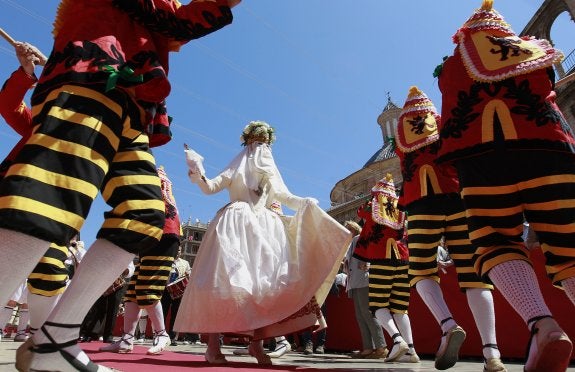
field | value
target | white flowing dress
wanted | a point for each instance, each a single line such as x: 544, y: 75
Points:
x: 257, y: 272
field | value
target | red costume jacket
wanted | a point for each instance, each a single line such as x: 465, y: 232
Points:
x: 376, y: 242
x: 523, y: 106
x: 15, y: 112
x: 125, y: 44
x: 423, y: 177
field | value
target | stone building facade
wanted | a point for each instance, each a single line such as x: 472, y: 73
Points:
x: 193, y: 233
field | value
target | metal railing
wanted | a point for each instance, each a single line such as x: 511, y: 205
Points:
x: 568, y: 63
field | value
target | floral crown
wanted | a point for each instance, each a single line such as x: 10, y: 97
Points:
x: 259, y: 131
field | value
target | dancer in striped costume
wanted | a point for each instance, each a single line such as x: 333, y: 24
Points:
x: 148, y: 282
x: 93, y: 113
x: 380, y: 246
x: 430, y: 196
x: 514, y: 153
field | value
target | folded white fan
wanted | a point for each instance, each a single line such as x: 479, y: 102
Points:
x: 194, y: 161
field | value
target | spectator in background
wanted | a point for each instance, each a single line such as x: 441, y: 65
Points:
x: 101, y: 319
x: 171, y: 298
x: 372, y: 338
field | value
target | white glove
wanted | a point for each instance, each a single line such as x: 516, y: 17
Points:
x: 311, y: 200
x: 194, y: 161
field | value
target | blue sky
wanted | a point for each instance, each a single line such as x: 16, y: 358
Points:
x: 318, y: 71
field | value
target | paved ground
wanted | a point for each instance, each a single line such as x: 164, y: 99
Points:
x: 298, y: 360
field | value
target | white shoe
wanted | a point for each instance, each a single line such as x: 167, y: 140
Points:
x: 409, y: 358
x: 139, y: 341
x: 397, y: 351
x: 282, y: 347
x: 122, y: 346
x: 21, y: 336
x: 161, y: 340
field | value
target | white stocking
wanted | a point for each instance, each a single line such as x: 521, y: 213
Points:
x: 569, y: 287
x: 101, y: 265
x: 384, y: 318
x: 480, y: 302
x: 430, y: 292
x: 131, y: 316
x: 518, y: 283
x: 5, y: 315
x: 404, y: 326
x: 23, y: 320
x: 156, y: 316
x: 19, y: 254
x: 40, y: 308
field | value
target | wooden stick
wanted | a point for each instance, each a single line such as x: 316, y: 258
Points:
x: 7, y: 37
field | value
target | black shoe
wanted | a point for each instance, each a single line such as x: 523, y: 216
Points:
x: 174, y: 343
x: 108, y: 340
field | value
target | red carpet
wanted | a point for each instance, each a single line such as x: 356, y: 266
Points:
x: 138, y: 361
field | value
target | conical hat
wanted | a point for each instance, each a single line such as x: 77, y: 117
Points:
x: 491, y: 51
x: 418, y: 121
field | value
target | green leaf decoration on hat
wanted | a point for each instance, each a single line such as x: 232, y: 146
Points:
x: 439, y: 68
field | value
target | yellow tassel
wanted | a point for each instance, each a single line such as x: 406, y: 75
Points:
x: 487, y: 5
x: 414, y: 91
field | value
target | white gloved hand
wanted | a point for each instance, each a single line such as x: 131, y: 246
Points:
x: 311, y: 200
x: 194, y: 161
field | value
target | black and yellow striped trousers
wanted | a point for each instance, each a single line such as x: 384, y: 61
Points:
x: 428, y: 221
x: 152, y: 272
x: 389, y: 284
x: 85, y: 141
x: 50, y: 276
x: 502, y: 188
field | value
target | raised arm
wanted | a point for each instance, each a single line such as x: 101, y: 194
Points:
x: 209, y: 186
x: 12, y: 106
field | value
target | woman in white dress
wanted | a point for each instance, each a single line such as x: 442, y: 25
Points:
x: 259, y: 273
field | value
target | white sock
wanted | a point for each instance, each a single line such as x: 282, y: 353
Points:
x: 404, y: 325
x: 384, y: 318
x: 430, y: 292
x: 480, y: 302
x: 569, y: 288
x: 5, y: 315
x: 101, y: 265
x: 156, y: 316
x: 23, y: 320
x: 281, y: 339
x: 518, y: 283
x: 16, y: 263
x: 40, y: 309
x: 131, y: 317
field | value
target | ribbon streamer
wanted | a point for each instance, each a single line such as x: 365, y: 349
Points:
x: 125, y: 73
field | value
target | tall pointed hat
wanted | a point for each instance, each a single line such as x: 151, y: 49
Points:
x: 491, y: 51
x: 418, y: 121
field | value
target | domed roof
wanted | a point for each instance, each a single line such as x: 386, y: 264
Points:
x: 387, y: 151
